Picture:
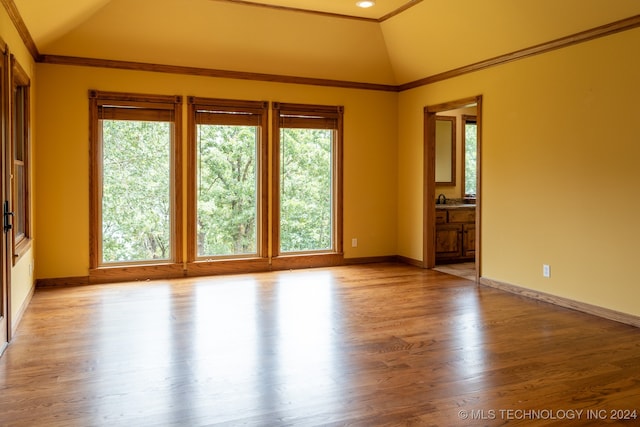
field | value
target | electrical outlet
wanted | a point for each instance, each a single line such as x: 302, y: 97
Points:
x: 546, y: 270
x: 354, y: 242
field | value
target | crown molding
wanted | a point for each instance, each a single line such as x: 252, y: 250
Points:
x: 581, y: 37
x: 573, y: 39
x: 21, y: 27
x: 208, y: 72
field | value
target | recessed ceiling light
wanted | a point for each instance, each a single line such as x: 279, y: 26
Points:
x: 365, y: 3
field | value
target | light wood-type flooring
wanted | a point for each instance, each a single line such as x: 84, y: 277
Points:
x: 370, y: 345
x: 463, y: 269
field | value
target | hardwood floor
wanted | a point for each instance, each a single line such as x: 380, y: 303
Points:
x: 380, y: 344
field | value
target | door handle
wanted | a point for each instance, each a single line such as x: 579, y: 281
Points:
x: 7, y: 215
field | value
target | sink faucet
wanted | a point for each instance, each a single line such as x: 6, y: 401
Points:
x: 442, y: 199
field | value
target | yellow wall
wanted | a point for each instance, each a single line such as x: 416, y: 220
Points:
x: 22, y: 280
x: 558, y: 184
x: 62, y: 218
x: 560, y: 153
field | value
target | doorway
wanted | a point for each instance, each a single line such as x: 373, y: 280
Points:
x: 456, y: 192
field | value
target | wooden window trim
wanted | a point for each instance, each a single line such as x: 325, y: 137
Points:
x: 5, y: 273
x: 227, y: 112
x: 173, y: 106
x: 19, y: 78
x: 466, y: 119
x: 313, y: 116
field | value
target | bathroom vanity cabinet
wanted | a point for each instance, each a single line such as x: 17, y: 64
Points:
x: 455, y: 233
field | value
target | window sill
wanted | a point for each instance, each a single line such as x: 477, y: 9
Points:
x: 295, y: 261
x: 227, y: 266
x: 135, y: 273
x: 213, y: 267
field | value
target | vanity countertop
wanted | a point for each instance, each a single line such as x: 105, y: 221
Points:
x: 456, y: 206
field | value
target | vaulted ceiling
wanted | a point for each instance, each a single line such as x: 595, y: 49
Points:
x: 394, y: 42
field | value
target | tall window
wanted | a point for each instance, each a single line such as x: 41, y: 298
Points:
x: 135, y: 155
x: 20, y: 153
x: 470, y: 153
x: 307, y: 179
x: 228, y: 179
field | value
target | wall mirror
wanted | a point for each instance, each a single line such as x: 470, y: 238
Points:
x: 445, y: 150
